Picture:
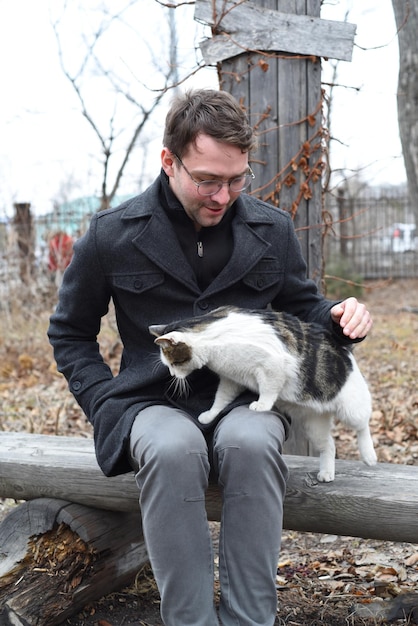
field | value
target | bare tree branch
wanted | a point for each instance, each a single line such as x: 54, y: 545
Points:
x: 171, y: 5
x: 120, y: 88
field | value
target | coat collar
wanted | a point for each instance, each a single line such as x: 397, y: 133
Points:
x: 250, y: 209
x: 155, y: 237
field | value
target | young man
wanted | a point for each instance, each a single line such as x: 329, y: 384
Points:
x: 191, y: 242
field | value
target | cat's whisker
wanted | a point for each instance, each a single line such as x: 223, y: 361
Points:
x: 179, y: 387
x: 156, y: 365
x: 184, y: 387
x: 172, y: 386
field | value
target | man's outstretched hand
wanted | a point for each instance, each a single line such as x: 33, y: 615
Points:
x: 353, y: 317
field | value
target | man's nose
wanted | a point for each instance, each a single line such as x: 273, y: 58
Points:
x: 223, y: 195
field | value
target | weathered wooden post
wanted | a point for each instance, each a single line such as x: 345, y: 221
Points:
x: 24, y: 234
x: 342, y: 216
x: 268, y: 56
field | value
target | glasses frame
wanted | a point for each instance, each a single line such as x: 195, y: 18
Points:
x: 221, y: 183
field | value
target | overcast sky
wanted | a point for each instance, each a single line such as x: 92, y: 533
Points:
x: 365, y: 116
x: 45, y: 142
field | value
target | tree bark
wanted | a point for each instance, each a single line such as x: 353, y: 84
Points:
x: 58, y: 556
x: 406, y: 17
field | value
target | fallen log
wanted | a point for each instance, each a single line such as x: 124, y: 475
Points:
x: 57, y: 556
x: 379, y: 502
x: 403, y: 607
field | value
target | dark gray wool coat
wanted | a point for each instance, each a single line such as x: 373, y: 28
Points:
x: 131, y: 255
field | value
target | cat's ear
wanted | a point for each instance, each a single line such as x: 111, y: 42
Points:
x: 156, y: 329
x: 165, y: 342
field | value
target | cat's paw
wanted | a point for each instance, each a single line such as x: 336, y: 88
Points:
x: 207, y: 417
x: 259, y: 406
x: 366, y: 447
x: 325, y: 476
x: 369, y: 458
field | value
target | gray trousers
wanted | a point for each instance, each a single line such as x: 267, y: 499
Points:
x: 172, y: 460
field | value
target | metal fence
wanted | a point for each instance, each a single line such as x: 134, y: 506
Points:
x: 33, y: 247
x: 367, y: 236
x: 373, y: 235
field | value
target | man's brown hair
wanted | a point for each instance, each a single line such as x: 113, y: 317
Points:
x: 210, y: 112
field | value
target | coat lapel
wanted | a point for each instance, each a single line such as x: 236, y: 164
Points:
x: 156, y: 238
x: 249, y: 248
x: 159, y: 242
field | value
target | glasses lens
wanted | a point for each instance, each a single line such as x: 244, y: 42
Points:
x: 209, y: 187
x: 241, y: 183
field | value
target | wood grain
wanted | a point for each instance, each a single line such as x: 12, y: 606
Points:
x: 251, y: 27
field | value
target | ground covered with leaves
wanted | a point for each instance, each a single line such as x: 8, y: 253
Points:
x: 321, y: 579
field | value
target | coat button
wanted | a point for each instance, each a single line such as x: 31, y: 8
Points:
x: 76, y: 385
x: 260, y: 282
x: 138, y: 283
x: 204, y: 305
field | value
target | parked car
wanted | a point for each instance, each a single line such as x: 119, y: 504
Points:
x: 401, y: 238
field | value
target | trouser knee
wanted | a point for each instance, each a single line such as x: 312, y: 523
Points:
x: 166, y: 445
x: 248, y: 448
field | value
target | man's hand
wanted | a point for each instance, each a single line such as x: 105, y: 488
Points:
x: 353, y: 317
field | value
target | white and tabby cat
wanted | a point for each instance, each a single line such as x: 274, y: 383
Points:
x: 298, y: 367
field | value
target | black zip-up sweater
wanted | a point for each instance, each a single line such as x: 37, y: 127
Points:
x: 207, y: 250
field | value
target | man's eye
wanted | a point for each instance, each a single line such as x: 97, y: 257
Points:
x: 210, y: 183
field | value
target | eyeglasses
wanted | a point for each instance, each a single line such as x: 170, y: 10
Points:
x: 211, y: 187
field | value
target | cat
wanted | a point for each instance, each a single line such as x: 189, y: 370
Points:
x: 298, y: 367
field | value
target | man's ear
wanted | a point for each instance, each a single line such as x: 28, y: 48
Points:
x: 167, y: 161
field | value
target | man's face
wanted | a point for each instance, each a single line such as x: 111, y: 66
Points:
x: 208, y: 159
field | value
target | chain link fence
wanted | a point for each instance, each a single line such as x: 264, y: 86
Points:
x: 373, y: 235
x: 366, y: 236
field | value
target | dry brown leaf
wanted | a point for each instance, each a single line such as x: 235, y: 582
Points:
x: 412, y: 560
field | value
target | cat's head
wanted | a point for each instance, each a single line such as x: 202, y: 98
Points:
x: 175, y: 351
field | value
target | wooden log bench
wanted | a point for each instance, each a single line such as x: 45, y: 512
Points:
x: 77, y: 535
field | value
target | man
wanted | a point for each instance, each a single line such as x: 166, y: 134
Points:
x: 191, y: 242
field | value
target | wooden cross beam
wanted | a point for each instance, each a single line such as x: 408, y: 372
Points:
x: 242, y: 26
x: 379, y: 502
